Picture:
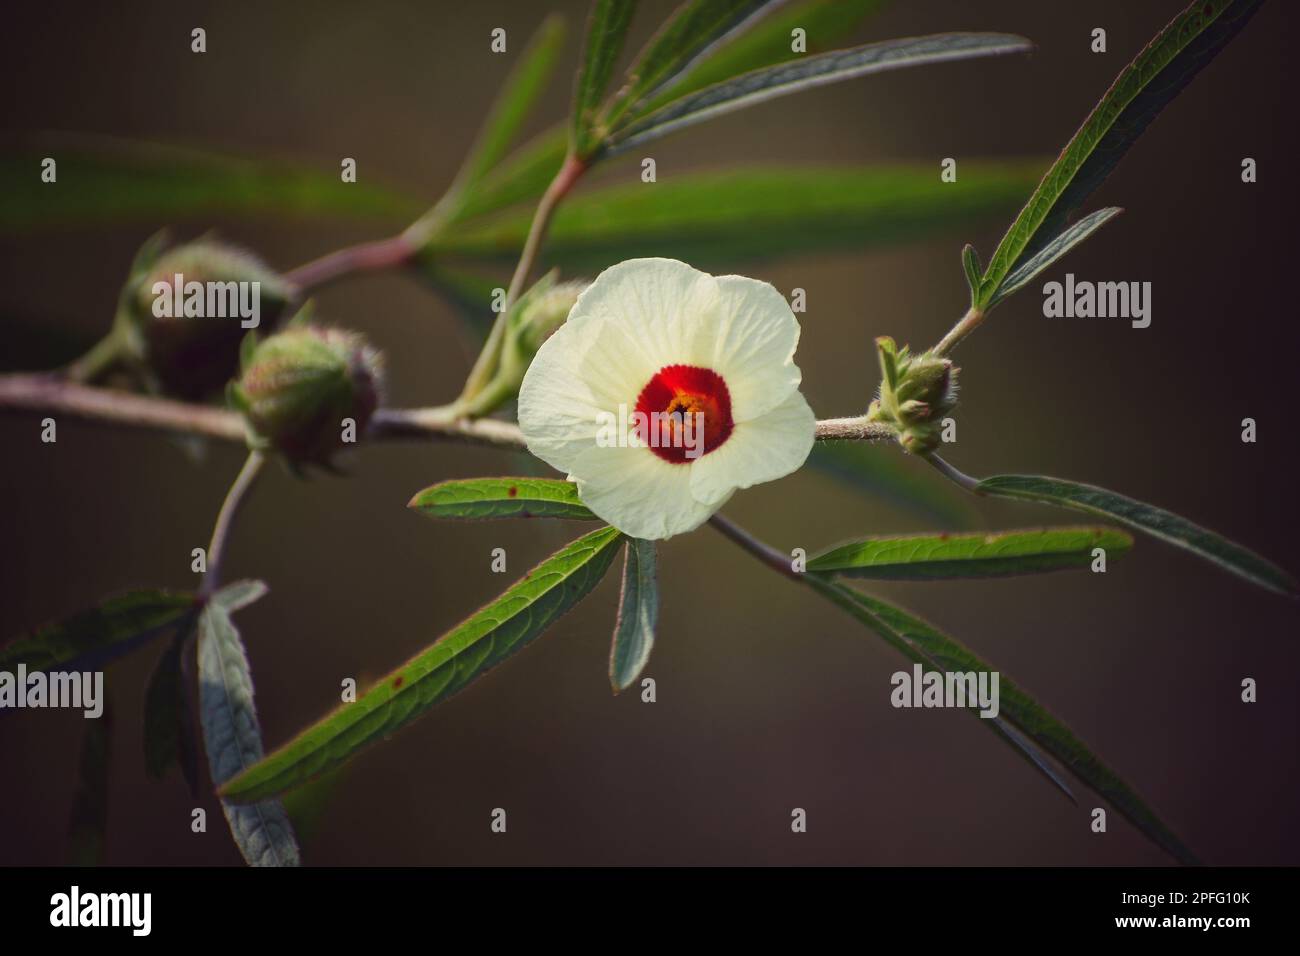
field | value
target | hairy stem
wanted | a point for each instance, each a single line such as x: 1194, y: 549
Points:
x: 225, y: 518
x: 964, y: 327
x: 854, y: 429
x: 52, y: 394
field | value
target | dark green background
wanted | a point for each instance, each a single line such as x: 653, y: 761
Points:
x: 768, y: 698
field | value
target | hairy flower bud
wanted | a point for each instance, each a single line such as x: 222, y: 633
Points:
x: 539, y: 312
x: 185, y: 310
x: 305, y: 390
x: 916, y: 392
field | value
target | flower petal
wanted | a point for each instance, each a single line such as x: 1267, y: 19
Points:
x: 754, y: 336
x: 639, y: 493
x: 761, y: 449
x: 580, y: 374
x: 666, y: 308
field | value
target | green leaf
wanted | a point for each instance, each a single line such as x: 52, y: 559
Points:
x: 521, y: 178
x: 1140, y: 92
x: 168, y: 716
x: 88, y: 823
x: 769, y: 42
x: 805, y: 73
x: 466, y: 652
x: 231, y: 733
x: 717, y: 218
x: 90, y: 639
x: 933, y: 557
x: 108, y: 180
x: 934, y: 650
x: 606, y: 31
x: 1143, y: 517
x: 691, y: 32
x: 308, y: 805
x: 501, y: 498
x: 882, y: 471
x: 638, y: 614
x: 517, y: 97
x: 970, y: 262
x: 1024, y: 273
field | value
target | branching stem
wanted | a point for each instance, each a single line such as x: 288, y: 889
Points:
x: 55, y: 395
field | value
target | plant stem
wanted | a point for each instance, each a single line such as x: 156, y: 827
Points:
x: 50, y: 393
x: 225, y: 518
x: 102, y: 356
x: 854, y: 429
x: 486, y: 364
x: 952, y: 474
x: 964, y: 327
x: 47, y: 392
x: 564, y: 181
x: 765, y: 553
x: 366, y: 257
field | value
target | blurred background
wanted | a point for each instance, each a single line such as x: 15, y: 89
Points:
x: 768, y: 699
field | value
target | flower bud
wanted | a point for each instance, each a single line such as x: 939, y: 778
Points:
x: 539, y: 312
x: 185, y: 310
x: 299, y: 388
x: 916, y: 392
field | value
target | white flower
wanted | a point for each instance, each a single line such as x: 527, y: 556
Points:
x: 654, y: 337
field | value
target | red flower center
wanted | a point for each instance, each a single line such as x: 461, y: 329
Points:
x: 684, y: 412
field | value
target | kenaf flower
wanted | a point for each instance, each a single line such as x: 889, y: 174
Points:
x: 665, y: 391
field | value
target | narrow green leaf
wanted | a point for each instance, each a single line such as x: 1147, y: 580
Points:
x: 517, y: 97
x: 936, y: 651
x: 764, y: 84
x: 688, y: 35
x: 88, y: 823
x: 501, y: 498
x: 1143, y: 517
x: 883, y: 472
x: 526, y: 174
x: 90, y: 639
x: 1024, y: 273
x: 606, y: 31
x: 768, y: 42
x: 307, y: 806
x: 638, y: 614
x: 466, y: 652
x: 520, y: 178
x: 970, y: 262
x: 1138, y: 94
x: 717, y: 218
x: 109, y: 180
x: 231, y: 732
x: 169, y: 726
x: 932, y: 557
